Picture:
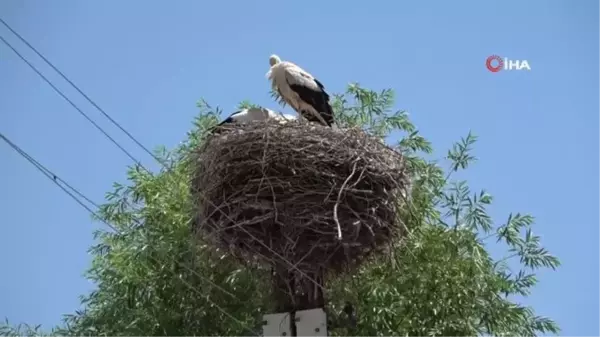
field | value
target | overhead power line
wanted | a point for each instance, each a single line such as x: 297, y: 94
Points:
x: 72, y: 192
x: 66, y: 187
x: 69, y: 101
x: 293, y: 266
x: 114, y: 122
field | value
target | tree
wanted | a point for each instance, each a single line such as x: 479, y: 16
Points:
x: 153, y: 279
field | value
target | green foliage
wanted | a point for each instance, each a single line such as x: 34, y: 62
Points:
x: 20, y: 330
x: 247, y: 105
x: 153, y: 279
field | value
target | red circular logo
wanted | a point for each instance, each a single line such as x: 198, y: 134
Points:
x: 498, y: 67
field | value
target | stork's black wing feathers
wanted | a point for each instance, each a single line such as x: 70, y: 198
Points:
x: 230, y: 118
x: 318, y: 99
x: 320, y: 85
x: 227, y: 121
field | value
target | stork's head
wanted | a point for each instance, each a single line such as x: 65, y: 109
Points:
x: 274, y: 59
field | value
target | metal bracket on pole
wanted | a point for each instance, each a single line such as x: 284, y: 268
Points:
x: 312, y: 322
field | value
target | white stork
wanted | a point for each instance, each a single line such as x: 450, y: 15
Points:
x: 301, y: 91
x: 255, y: 114
x: 251, y: 114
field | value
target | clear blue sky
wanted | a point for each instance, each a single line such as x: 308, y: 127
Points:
x: 148, y: 62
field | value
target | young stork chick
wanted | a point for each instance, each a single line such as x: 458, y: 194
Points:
x: 252, y: 114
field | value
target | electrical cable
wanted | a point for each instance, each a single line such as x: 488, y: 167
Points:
x: 56, y: 179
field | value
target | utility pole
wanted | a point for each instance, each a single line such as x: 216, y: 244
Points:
x: 299, y: 306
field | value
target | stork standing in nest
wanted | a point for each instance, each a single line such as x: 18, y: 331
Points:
x: 301, y: 91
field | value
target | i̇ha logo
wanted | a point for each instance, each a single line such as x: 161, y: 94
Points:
x: 496, y: 63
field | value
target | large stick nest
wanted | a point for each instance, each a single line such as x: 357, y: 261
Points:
x: 273, y: 193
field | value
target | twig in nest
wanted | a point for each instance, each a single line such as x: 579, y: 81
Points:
x: 337, y: 203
